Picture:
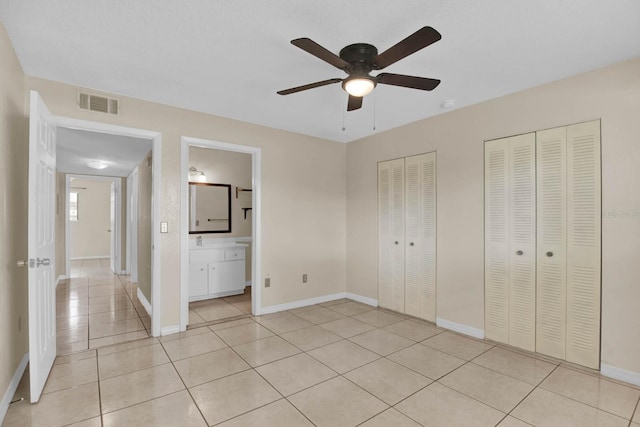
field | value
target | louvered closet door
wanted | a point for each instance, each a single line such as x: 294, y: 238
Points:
x: 551, y: 241
x: 522, y: 241
x: 583, y: 244
x: 496, y: 170
x: 420, y: 224
x: 391, y: 233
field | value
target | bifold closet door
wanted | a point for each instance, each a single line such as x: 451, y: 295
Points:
x: 569, y: 243
x: 510, y: 256
x: 391, y: 235
x: 420, y: 233
x: 552, y: 242
x: 583, y: 244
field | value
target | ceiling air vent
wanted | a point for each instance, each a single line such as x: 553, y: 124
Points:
x: 101, y: 104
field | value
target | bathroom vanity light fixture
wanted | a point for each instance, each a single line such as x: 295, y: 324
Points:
x: 195, y: 172
x: 196, y: 175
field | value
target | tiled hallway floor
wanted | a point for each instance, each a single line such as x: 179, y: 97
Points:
x: 335, y: 364
x: 95, y: 308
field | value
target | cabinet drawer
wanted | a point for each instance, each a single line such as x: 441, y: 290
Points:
x: 206, y: 256
x: 233, y: 254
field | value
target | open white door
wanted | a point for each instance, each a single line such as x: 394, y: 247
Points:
x: 112, y: 228
x: 41, y: 235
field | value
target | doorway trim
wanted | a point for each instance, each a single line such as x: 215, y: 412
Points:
x: 156, y: 159
x: 117, y: 250
x: 256, y: 196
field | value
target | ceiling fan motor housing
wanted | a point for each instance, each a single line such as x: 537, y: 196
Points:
x: 360, y: 56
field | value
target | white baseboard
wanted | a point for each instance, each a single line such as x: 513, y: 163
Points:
x: 60, y: 279
x: 168, y: 330
x: 360, y: 298
x: 145, y: 302
x: 301, y: 303
x: 80, y: 258
x: 620, y: 374
x: 459, y: 327
x: 13, y: 385
x: 317, y: 300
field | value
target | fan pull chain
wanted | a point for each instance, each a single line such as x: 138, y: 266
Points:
x: 343, y: 127
x: 374, y: 111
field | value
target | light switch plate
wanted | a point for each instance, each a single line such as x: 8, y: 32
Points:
x: 164, y: 227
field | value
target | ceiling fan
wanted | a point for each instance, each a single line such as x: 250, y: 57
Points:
x: 358, y: 60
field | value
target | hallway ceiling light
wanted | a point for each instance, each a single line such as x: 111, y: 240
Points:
x: 97, y: 164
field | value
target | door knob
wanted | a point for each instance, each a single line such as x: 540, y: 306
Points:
x: 395, y: 243
x: 519, y: 253
x: 549, y: 254
x: 411, y: 244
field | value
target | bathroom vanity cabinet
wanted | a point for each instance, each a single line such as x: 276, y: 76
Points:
x: 216, y: 271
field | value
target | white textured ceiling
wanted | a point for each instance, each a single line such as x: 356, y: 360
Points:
x: 230, y: 57
x: 77, y: 147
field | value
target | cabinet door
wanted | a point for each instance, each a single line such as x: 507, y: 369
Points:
x: 391, y: 234
x: 198, y: 280
x: 226, y: 276
x: 522, y: 241
x: 420, y: 241
x: 583, y: 244
x: 496, y: 216
x: 551, y: 241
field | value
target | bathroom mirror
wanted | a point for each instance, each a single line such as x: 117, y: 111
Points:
x: 209, y: 208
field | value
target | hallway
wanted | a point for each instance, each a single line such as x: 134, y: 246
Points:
x: 96, y: 308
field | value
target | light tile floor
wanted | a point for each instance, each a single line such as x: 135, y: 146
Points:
x: 95, y: 308
x: 334, y: 364
x: 217, y: 309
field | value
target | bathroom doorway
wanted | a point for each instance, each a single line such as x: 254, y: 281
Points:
x: 220, y: 232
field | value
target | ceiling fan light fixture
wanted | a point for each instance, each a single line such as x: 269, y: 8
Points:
x: 359, y: 86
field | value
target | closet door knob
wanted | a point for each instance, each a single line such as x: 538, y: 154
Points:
x: 549, y: 254
x: 519, y: 253
x: 395, y: 243
x: 411, y: 244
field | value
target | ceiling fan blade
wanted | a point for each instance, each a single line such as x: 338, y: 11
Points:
x: 354, y: 103
x: 309, y: 86
x: 412, y: 82
x: 318, y: 51
x: 416, y: 41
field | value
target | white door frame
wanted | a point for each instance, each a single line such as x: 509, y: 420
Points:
x: 118, y: 219
x: 156, y: 137
x: 132, y: 225
x: 256, y: 196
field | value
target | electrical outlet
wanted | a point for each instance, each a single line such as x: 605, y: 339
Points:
x: 304, y: 278
x: 267, y: 282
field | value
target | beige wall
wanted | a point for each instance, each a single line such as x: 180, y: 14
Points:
x: 13, y: 214
x: 228, y: 167
x: 144, y: 226
x: 303, y: 208
x: 612, y: 94
x: 89, y: 236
